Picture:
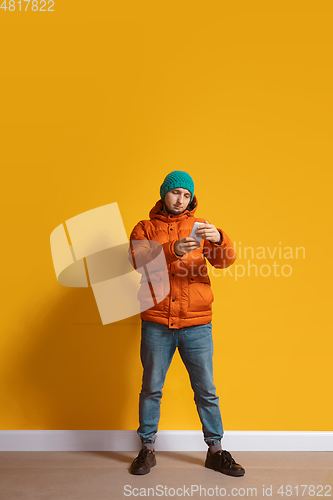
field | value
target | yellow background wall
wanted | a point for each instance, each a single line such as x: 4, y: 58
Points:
x: 99, y: 102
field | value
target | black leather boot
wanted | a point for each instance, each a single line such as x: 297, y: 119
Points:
x: 222, y: 461
x: 143, y: 462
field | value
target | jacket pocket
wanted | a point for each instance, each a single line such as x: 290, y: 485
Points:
x: 155, y: 289
x: 200, y: 294
x: 199, y: 278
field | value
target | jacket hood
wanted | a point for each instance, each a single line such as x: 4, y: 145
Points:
x: 156, y: 212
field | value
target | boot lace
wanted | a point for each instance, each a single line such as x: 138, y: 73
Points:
x: 141, y: 458
x: 227, y: 457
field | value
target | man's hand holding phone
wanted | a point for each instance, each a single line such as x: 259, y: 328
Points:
x: 200, y: 230
x: 185, y: 245
x: 208, y: 232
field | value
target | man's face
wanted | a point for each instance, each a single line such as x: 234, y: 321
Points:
x: 176, y: 201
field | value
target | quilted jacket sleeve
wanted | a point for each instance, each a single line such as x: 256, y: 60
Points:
x: 220, y: 255
x: 143, y: 251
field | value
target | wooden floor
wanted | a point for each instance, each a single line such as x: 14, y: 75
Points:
x: 92, y: 475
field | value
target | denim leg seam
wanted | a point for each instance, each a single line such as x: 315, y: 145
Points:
x: 208, y: 441
x: 159, y: 406
x: 200, y: 413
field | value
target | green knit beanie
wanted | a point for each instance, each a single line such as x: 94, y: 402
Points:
x: 177, y: 179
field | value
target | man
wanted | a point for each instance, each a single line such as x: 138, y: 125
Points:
x: 182, y: 318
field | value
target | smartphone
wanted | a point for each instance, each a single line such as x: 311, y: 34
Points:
x: 195, y: 227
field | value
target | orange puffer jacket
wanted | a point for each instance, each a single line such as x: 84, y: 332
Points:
x: 190, y: 297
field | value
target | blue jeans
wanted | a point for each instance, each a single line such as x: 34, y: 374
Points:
x: 195, y: 345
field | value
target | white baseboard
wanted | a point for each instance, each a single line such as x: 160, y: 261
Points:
x: 99, y: 440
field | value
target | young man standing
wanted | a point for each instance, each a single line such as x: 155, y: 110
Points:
x: 183, y: 318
